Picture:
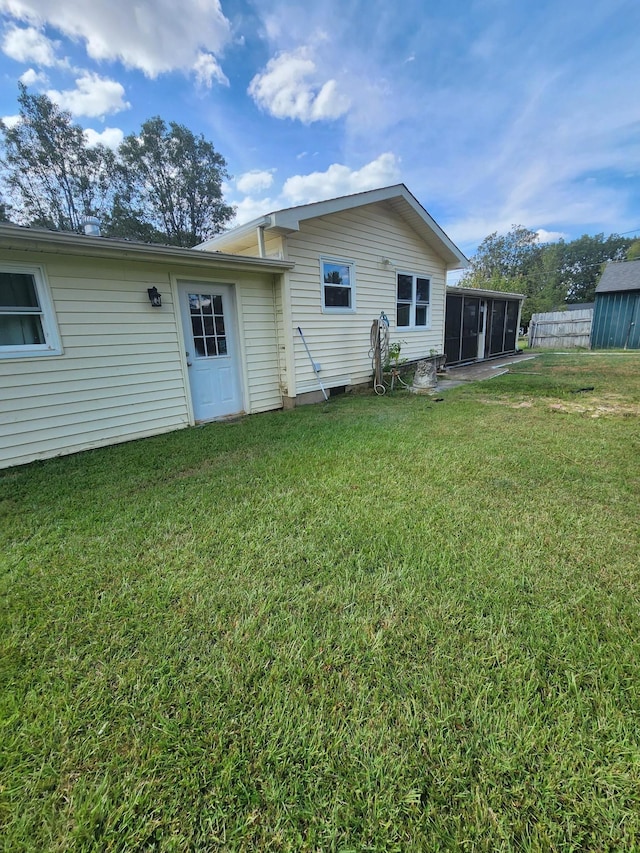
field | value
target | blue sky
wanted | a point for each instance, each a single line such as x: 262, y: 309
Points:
x: 492, y: 112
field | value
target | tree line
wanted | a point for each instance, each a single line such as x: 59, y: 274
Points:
x: 551, y: 275
x: 162, y: 185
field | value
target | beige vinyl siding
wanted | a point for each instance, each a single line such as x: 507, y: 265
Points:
x: 281, y: 336
x: 119, y: 376
x: 257, y: 321
x: 340, y: 341
x: 122, y: 373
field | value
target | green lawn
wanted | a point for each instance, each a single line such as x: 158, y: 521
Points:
x: 373, y: 625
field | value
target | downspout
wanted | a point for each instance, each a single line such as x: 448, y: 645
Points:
x: 261, y: 249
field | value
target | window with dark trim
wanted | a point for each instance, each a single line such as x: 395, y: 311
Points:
x: 413, y: 294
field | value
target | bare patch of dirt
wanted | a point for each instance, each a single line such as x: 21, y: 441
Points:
x: 597, y: 409
x: 593, y: 407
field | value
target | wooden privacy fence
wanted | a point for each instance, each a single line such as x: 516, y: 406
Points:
x: 561, y: 329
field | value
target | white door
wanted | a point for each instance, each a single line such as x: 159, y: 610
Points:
x: 482, y: 328
x: 211, y: 352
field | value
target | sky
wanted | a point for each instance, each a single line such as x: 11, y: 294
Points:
x: 493, y: 112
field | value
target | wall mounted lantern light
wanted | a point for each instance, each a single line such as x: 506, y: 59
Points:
x: 154, y: 297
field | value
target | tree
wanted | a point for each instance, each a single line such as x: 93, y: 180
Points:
x: 52, y: 177
x: 510, y: 263
x: 580, y: 262
x: 633, y: 252
x: 163, y: 185
x: 504, y: 259
x: 172, y: 183
x: 5, y: 210
x: 550, y: 275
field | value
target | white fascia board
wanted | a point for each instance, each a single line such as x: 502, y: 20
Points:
x: 287, y: 220
x: 290, y: 217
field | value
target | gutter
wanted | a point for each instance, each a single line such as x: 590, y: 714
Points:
x: 55, y: 242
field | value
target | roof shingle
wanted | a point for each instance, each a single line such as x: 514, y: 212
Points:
x: 620, y: 275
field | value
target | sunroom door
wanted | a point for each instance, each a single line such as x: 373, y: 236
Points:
x: 208, y: 320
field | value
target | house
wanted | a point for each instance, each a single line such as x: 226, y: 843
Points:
x: 105, y: 340
x: 480, y: 324
x: 616, y: 316
x: 86, y: 358
x: 355, y: 257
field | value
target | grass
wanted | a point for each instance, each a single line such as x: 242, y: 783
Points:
x: 380, y: 624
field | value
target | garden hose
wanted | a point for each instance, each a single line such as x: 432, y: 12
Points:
x: 379, y: 350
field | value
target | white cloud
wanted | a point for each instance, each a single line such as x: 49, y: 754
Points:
x: 29, y: 45
x: 31, y: 77
x: 291, y: 86
x: 10, y: 121
x: 207, y: 70
x: 151, y: 35
x: 545, y: 236
x: 251, y: 208
x: 339, y: 180
x: 110, y: 136
x: 93, y: 96
x: 254, y: 181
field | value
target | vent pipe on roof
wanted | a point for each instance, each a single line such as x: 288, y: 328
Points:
x: 92, y: 226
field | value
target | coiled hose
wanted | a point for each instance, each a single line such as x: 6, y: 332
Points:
x: 379, y: 350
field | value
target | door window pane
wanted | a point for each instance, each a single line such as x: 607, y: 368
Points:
x: 207, y: 325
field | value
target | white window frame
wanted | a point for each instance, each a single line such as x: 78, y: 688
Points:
x: 52, y: 344
x: 413, y: 303
x: 337, y: 309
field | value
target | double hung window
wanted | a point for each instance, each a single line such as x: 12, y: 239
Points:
x: 27, y: 323
x: 338, y: 285
x: 412, y: 301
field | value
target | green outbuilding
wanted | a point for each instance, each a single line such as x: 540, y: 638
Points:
x: 616, y: 316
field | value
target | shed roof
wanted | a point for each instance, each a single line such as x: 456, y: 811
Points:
x: 620, y: 275
x: 398, y: 197
x: 455, y: 290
